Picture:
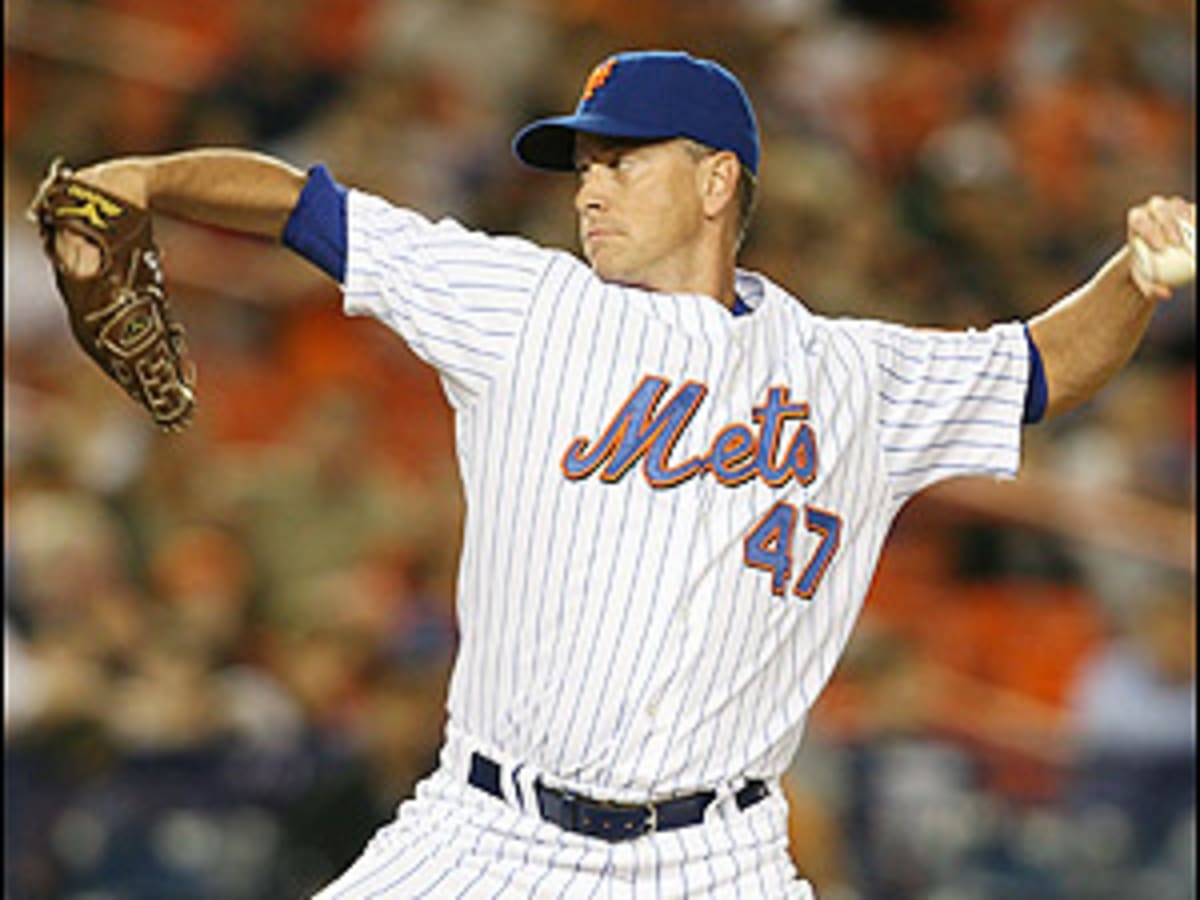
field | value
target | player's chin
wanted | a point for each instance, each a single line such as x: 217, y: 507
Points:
x: 602, y: 267
x: 607, y: 267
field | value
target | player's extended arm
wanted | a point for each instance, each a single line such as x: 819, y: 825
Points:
x: 1087, y: 337
x: 240, y: 190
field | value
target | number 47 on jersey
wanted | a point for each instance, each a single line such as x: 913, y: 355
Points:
x: 769, y: 546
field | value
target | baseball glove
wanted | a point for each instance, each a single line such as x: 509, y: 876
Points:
x: 119, y: 313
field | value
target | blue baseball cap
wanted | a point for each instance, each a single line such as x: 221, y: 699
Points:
x: 651, y: 95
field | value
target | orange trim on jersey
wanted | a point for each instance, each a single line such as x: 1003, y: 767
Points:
x: 644, y: 446
x: 829, y: 550
x: 618, y: 452
x: 807, y: 472
x: 779, y: 394
x: 611, y: 440
x: 785, y: 546
x: 738, y: 457
x: 660, y: 453
x: 657, y: 426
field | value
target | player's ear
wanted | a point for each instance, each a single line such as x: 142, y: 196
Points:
x: 719, y: 173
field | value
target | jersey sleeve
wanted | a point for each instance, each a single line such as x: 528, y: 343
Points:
x: 459, y: 298
x: 950, y: 403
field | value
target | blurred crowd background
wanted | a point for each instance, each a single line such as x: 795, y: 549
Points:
x: 226, y: 651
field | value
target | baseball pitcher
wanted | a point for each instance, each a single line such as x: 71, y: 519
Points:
x: 678, y: 478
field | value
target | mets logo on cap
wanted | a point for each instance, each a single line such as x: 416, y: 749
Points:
x: 596, y: 79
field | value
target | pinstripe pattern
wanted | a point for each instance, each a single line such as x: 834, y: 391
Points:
x: 613, y: 638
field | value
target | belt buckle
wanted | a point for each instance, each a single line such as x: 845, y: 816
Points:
x: 651, y: 825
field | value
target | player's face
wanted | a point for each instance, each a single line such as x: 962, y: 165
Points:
x: 639, y: 207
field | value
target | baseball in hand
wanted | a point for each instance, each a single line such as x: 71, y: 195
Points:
x: 1172, y: 266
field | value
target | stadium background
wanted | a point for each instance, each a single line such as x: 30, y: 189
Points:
x: 226, y: 651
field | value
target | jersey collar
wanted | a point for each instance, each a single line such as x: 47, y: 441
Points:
x: 749, y: 291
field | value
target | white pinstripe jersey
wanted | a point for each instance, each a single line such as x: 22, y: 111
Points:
x: 673, y: 514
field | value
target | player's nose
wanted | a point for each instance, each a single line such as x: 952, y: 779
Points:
x: 592, y: 193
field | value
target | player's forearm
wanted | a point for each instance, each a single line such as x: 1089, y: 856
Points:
x: 240, y: 190
x: 1087, y: 337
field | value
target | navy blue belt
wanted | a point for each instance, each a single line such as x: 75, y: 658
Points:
x: 612, y: 821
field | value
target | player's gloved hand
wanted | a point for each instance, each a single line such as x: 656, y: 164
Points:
x: 106, y: 267
x: 1162, y: 240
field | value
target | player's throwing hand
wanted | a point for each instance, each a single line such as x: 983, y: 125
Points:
x: 1162, y: 240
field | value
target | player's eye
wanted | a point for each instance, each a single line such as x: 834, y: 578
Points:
x: 625, y: 161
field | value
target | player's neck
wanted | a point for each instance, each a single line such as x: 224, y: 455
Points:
x: 710, y: 274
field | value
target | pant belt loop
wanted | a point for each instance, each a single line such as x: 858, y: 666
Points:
x: 520, y: 786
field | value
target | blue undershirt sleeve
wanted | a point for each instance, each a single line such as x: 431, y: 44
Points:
x: 316, y: 229
x: 1036, y: 391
